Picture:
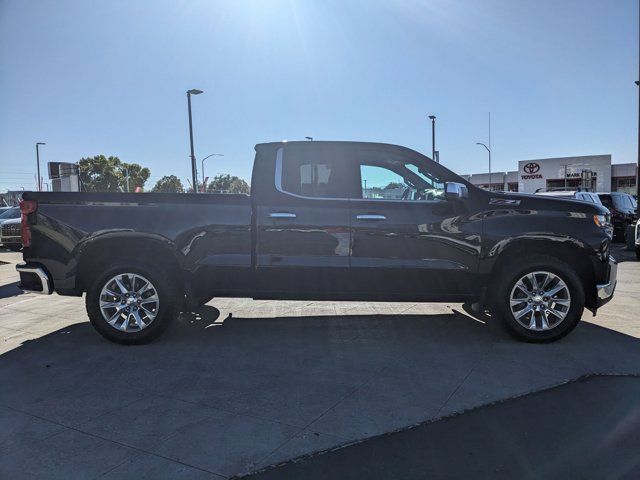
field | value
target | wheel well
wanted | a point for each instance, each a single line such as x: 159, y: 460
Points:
x: 571, y: 255
x: 102, y: 253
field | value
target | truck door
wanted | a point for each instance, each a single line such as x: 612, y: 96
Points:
x: 408, y: 241
x: 302, y: 227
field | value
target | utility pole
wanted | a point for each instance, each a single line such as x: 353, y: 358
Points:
x: 433, y: 137
x: 490, y: 151
x: 39, y: 180
x: 194, y: 174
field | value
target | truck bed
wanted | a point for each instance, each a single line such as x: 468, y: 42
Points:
x: 202, y: 230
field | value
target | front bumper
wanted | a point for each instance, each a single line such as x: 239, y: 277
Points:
x: 34, y: 278
x: 10, y: 240
x: 605, y: 290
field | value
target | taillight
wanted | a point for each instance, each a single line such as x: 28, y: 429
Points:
x: 26, y: 207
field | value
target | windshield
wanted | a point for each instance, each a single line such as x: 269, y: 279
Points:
x: 13, y: 212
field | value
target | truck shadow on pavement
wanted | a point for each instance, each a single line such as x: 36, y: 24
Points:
x: 10, y: 290
x: 230, y: 395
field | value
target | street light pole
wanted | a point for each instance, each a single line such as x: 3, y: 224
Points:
x: 194, y: 175
x: 488, y: 150
x: 38, y: 180
x: 638, y: 84
x: 212, y: 155
x: 638, y: 166
x: 127, y: 178
x: 433, y: 137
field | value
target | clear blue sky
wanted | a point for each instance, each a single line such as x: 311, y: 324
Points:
x: 109, y: 77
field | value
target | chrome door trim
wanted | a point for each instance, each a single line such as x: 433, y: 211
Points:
x: 282, y: 215
x: 369, y: 216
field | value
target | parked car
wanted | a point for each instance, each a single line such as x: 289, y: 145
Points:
x: 623, y: 208
x: 588, y: 197
x: 10, y: 229
x: 7, y: 213
x: 575, y: 194
x: 10, y: 234
x: 637, y: 239
x: 309, y: 230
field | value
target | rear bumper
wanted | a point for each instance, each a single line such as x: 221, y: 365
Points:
x: 605, y: 290
x: 34, y: 278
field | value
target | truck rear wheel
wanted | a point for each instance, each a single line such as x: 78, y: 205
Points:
x: 131, y: 302
x: 541, y: 300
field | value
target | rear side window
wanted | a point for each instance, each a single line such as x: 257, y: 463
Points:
x: 314, y: 179
x: 316, y: 173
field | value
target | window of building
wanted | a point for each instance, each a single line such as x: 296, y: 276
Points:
x: 623, y: 184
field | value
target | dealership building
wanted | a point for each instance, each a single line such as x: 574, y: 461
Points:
x: 593, y: 173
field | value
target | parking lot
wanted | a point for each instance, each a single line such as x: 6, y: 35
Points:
x: 244, y: 384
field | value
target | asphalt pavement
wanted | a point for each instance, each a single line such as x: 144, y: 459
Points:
x: 588, y: 429
x: 241, y: 384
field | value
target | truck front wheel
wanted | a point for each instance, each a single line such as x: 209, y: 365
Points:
x: 131, y: 302
x: 541, y: 300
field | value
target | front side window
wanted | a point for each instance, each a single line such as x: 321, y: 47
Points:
x: 399, y: 181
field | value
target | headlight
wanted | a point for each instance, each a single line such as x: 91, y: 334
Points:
x: 601, y: 221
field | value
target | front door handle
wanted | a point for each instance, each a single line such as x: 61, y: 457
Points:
x: 369, y: 216
x: 282, y: 215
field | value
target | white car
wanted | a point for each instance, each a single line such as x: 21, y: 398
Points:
x: 10, y: 229
x: 638, y: 239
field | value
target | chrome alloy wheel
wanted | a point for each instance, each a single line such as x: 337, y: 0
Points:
x: 129, y: 302
x: 540, y: 301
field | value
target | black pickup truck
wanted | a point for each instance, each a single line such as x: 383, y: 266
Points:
x: 324, y: 221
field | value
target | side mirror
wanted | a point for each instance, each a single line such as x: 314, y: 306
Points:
x: 454, y: 190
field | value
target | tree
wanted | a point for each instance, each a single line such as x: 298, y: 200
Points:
x: 227, y: 184
x: 107, y: 174
x: 393, y: 185
x: 99, y: 173
x: 169, y: 184
x: 138, y: 176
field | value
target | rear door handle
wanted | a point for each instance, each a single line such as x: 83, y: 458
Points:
x: 369, y: 216
x: 282, y: 215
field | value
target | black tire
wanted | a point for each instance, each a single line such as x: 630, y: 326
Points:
x: 167, y: 309
x: 505, y: 282
x: 637, y: 253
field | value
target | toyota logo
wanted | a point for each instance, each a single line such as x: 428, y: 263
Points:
x: 531, y: 167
